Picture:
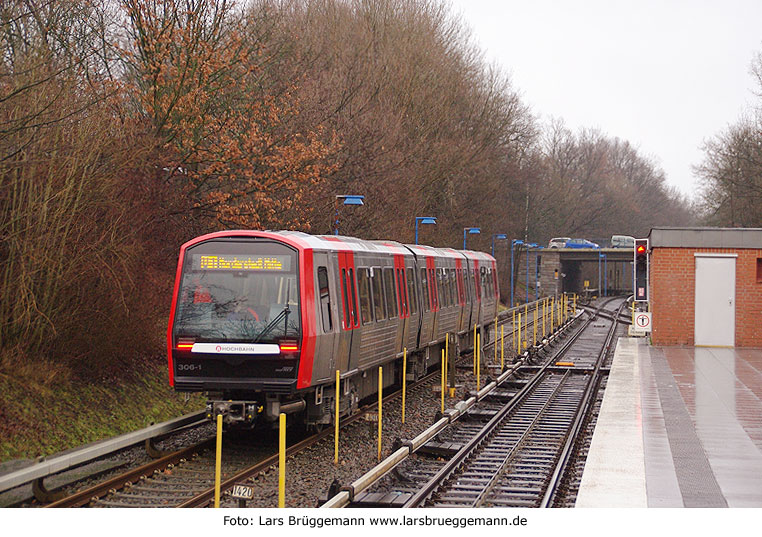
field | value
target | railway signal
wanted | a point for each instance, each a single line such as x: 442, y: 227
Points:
x: 640, y: 274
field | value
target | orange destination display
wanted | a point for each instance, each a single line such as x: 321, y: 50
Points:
x: 239, y: 262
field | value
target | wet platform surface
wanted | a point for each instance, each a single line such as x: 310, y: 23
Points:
x: 679, y: 427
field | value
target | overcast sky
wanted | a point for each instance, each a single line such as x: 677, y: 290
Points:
x: 664, y: 75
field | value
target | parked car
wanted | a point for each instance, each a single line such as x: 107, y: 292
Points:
x: 558, y: 242
x: 622, y: 241
x: 581, y: 243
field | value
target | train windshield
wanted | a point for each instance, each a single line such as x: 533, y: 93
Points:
x: 239, y: 291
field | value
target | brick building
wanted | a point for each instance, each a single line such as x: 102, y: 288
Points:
x: 706, y: 286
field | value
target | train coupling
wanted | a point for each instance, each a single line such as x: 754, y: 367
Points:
x: 240, y: 412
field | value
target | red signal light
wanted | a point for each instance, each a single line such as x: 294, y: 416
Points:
x: 641, y: 249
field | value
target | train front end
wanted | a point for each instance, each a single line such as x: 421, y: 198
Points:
x: 235, y: 328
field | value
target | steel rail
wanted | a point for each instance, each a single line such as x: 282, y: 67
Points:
x: 590, y: 391
x: 90, y: 452
x: 86, y: 496
x: 206, y: 496
x: 430, y: 486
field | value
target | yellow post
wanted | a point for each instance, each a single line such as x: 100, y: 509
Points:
x: 447, y: 358
x: 552, y: 320
x: 574, y: 304
x: 494, y: 339
x: 282, y: 463
x: 534, y: 329
x: 218, y: 463
x: 478, y: 360
x: 404, y: 381
x: 336, y: 419
x: 544, y: 315
x: 474, y: 349
x: 514, y: 331
x: 380, y: 399
x: 442, y: 380
x: 502, y: 348
x: 519, y: 339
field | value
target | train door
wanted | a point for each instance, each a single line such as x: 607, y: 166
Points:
x: 461, y: 295
x: 414, y: 303
x: 327, y: 299
x: 349, y: 317
x: 402, y: 301
x: 431, y: 276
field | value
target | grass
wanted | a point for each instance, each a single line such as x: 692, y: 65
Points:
x: 47, y: 409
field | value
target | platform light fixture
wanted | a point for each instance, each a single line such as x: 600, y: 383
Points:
x: 423, y: 220
x: 470, y: 231
x: 348, y: 199
x: 497, y: 236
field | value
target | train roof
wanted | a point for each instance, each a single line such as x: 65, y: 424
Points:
x: 302, y: 240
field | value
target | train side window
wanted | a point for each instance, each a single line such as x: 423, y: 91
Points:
x: 345, y: 317
x: 412, y: 299
x: 378, y: 294
x: 363, y: 283
x: 391, y: 296
x: 354, y: 298
x: 445, y: 288
x: 424, y: 290
x: 475, y: 283
x: 325, y: 299
x: 451, y: 285
x: 458, y: 286
x: 464, y: 282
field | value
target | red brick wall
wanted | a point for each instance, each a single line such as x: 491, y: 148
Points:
x: 673, y: 291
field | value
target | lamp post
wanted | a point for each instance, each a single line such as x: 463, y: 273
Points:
x: 470, y: 231
x: 498, y: 236
x: 423, y: 220
x: 348, y: 200
x: 514, y: 242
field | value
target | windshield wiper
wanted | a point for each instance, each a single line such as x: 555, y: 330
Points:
x: 284, y: 313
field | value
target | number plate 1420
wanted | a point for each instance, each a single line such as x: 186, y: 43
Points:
x: 242, y: 492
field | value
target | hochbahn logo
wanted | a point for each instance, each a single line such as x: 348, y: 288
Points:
x: 233, y: 348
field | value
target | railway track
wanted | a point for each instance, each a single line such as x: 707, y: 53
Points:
x: 185, y: 478
x: 513, y: 448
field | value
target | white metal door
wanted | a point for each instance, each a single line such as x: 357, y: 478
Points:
x: 715, y: 317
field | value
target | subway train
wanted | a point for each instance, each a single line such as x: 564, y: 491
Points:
x: 261, y: 320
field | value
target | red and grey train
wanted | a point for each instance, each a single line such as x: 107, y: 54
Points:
x: 262, y: 320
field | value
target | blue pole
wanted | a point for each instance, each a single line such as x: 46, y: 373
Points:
x: 464, y: 239
x: 416, y: 231
x: 512, y: 243
x: 605, y: 276
x: 536, y: 290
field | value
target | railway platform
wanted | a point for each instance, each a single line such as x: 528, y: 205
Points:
x: 678, y: 427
